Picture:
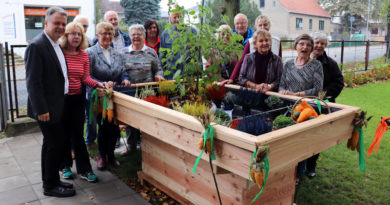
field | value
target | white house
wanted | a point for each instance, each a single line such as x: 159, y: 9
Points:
x: 22, y: 20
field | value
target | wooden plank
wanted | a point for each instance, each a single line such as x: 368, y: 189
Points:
x: 286, y: 152
x: 230, y: 184
x: 280, y: 185
x: 229, y: 157
x: 166, y: 190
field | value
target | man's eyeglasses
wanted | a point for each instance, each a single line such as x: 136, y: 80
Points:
x: 136, y: 35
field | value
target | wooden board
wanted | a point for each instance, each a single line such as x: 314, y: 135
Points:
x: 173, y: 168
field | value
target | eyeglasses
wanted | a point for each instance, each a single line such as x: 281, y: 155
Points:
x: 76, y: 34
x: 106, y: 34
x: 136, y: 35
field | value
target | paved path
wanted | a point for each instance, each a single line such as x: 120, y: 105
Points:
x: 20, y: 178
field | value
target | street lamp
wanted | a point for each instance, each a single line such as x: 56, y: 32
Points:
x: 351, y: 19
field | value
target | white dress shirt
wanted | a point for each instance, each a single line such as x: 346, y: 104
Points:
x: 61, y: 58
x: 107, y: 53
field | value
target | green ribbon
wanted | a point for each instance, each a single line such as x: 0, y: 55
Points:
x: 361, y: 149
x: 104, y: 105
x: 208, y: 132
x: 266, y: 167
x: 319, y: 104
x: 250, y: 166
x: 93, y: 100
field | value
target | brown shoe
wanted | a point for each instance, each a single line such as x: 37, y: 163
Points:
x: 111, y: 159
x: 101, y: 163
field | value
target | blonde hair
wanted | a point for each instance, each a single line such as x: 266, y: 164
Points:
x: 104, y: 26
x: 261, y: 33
x: 224, y: 28
x: 262, y: 17
x: 69, y: 29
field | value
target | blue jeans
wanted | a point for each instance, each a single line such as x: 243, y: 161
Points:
x: 90, y: 131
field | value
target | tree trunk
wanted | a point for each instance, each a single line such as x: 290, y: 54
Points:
x: 231, y: 8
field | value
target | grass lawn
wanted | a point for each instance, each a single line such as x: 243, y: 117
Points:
x: 339, y: 179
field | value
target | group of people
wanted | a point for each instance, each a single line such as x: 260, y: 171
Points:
x: 63, y: 66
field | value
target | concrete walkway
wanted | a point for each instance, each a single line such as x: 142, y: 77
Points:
x: 20, y: 178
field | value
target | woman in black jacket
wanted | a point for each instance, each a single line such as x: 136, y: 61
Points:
x: 333, y: 83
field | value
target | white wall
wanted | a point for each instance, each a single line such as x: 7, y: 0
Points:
x: 16, y: 7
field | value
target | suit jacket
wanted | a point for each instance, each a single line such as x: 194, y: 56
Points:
x: 45, y: 80
x: 101, y: 70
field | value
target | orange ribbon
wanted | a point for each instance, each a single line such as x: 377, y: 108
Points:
x: 380, y: 131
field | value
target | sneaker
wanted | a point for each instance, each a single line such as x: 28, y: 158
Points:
x: 89, y: 176
x: 67, y: 173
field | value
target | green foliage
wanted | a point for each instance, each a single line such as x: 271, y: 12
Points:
x: 221, y: 117
x: 195, y: 109
x: 282, y: 121
x: 274, y: 102
x: 193, y: 46
x: 139, y: 11
x: 145, y: 92
x: 167, y: 87
x: 339, y: 179
x: 98, y: 11
x: 249, y: 8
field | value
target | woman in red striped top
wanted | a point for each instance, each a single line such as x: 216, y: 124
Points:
x: 73, y: 44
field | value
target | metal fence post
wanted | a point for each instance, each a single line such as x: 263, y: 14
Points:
x: 3, y: 93
x: 342, y: 55
x: 9, y: 82
x: 367, y: 55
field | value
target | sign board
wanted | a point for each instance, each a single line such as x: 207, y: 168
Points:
x: 9, y: 28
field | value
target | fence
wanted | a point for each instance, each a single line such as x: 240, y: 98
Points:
x: 3, y: 93
x: 358, y: 54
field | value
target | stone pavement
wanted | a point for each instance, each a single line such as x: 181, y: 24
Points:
x: 20, y: 178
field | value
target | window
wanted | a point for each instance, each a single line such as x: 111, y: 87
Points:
x: 261, y: 3
x: 299, y: 23
x: 274, y: 3
x: 310, y: 24
x: 321, y: 25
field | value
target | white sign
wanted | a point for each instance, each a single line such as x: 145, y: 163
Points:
x: 38, y: 24
x: 9, y: 28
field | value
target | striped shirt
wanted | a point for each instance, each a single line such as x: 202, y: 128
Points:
x: 309, y: 78
x: 78, y: 72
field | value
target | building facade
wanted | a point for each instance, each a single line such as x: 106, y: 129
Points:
x: 22, y: 20
x: 290, y: 18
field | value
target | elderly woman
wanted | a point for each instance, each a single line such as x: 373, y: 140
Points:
x: 142, y: 66
x: 73, y: 44
x: 262, y: 22
x: 152, y: 39
x: 107, y: 64
x: 224, y: 32
x: 262, y: 69
x: 333, y: 83
x: 302, y: 76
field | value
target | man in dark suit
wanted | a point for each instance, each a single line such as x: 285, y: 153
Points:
x: 47, y: 85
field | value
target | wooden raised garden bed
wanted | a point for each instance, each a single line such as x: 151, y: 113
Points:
x: 170, y: 148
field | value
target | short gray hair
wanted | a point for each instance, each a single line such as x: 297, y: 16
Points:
x: 304, y: 37
x: 78, y: 17
x: 108, y: 12
x: 53, y: 10
x: 138, y: 27
x: 320, y: 36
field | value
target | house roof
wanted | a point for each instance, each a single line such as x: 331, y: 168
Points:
x: 308, y: 7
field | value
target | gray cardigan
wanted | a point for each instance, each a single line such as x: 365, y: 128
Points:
x: 274, y: 70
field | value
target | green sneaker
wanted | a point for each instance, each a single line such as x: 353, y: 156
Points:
x: 89, y: 176
x: 67, y: 173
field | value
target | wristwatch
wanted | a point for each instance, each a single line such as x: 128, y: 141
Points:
x: 269, y: 86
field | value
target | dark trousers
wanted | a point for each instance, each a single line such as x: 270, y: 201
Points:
x: 74, y: 119
x: 133, y: 135
x: 107, y: 135
x: 52, y: 154
x: 311, y: 163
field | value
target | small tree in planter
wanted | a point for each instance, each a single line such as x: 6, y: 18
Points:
x: 192, y: 46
